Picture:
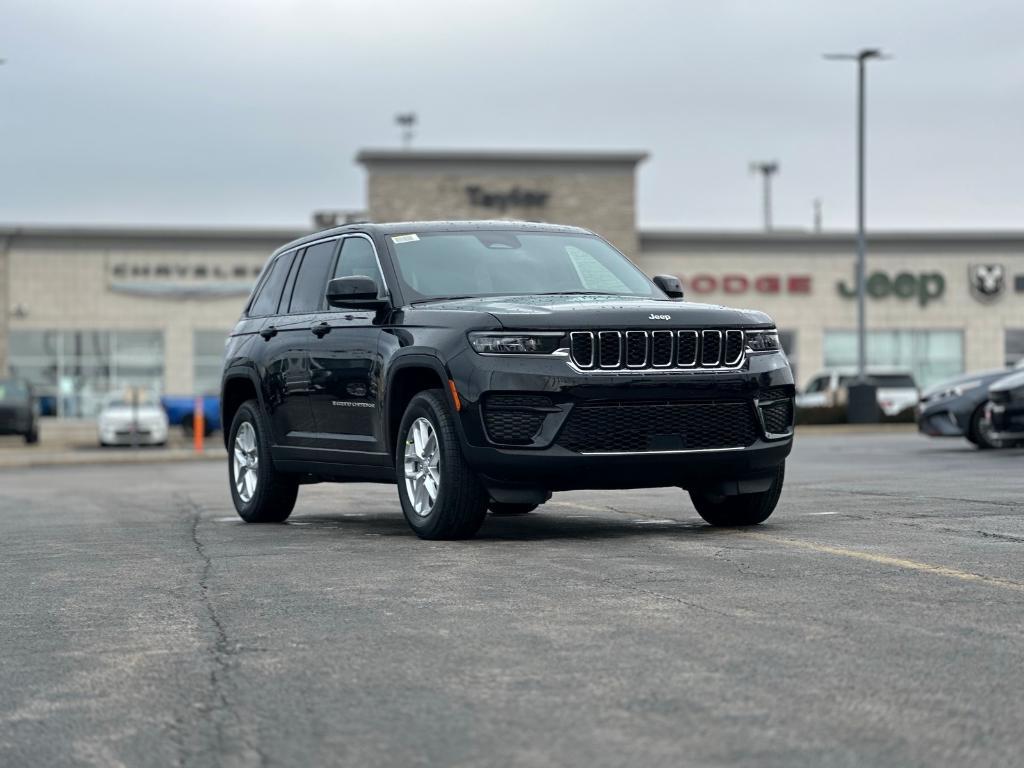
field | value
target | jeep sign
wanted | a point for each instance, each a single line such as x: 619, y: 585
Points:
x: 925, y: 287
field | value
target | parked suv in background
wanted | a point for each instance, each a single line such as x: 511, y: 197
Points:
x: 19, y: 411
x: 486, y: 364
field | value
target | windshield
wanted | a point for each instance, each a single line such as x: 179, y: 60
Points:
x: 13, y: 390
x: 502, y: 262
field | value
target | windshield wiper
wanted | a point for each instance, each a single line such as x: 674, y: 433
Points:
x: 442, y: 298
x: 579, y: 293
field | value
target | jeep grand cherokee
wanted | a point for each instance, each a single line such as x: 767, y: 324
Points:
x: 483, y: 365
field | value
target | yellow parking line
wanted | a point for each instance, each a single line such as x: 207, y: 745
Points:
x: 828, y: 549
x: 897, y: 562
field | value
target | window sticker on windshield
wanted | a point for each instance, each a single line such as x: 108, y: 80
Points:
x: 404, y: 238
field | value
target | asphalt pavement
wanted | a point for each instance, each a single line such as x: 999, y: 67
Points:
x: 876, y: 619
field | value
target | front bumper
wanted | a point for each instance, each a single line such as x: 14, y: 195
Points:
x: 1006, y: 420
x: 547, y: 464
x: 941, y: 420
x: 131, y: 435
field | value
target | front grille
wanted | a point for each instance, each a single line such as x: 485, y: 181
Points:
x: 638, y: 427
x: 616, y: 350
x: 777, y: 410
x: 515, y: 419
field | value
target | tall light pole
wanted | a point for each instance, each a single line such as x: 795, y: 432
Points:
x: 861, y: 57
x: 407, y: 122
x: 767, y: 170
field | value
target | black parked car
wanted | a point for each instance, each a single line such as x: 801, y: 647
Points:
x: 1005, y: 409
x: 19, y: 414
x: 486, y: 364
x: 956, y: 408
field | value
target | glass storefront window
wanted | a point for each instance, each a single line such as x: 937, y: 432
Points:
x: 74, y: 371
x: 207, y: 361
x: 930, y: 355
x: 1013, y: 345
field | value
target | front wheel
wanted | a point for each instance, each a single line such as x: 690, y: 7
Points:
x: 441, y: 497
x: 980, y: 431
x: 743, y: 509
x: 260, y: 492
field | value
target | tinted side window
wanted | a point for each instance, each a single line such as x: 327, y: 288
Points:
x: 266, y: 300
x: 311, y: 282
x: 357, y: 258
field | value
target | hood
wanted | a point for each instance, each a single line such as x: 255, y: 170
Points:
x: 602, y: 311
x: 1008, y: 383
x: 125, y: 413
x: 983, y: 377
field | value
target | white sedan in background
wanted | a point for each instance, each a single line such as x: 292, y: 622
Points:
x: 124, y: 422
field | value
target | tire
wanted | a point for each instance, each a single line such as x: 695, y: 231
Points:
x: 32, y: 436
x: 504, y: 510
x: 744, y: 509
x: 271, y: 497
x: 979, y: 434
x: 188, y: 425
x: 459, y: 505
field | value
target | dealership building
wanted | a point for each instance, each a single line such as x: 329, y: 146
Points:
x: 88, y: 311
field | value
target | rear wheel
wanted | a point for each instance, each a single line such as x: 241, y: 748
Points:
x: 260, y: 492
x: 743, y: 509
x: 503, y: 509
x: 32, y: 436
x: 980, y: 431
x: 441, y: 497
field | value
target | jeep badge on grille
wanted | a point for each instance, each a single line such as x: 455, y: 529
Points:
x: 660, y: 317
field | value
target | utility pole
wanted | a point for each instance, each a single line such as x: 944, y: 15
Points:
x: 407, y: 122
x: 861, y: 57
x: 817, y: 215
x: 767, y: 170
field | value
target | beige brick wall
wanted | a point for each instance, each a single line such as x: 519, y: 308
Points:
x: 66, y: 286
x: 599, y: 199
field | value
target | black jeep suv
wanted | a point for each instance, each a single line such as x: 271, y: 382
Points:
x: 483, y: 365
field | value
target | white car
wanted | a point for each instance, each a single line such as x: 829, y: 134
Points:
x: 122, y: 422
x: 896, y: 392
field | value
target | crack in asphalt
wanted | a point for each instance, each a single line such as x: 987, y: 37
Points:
x: 221, y: 653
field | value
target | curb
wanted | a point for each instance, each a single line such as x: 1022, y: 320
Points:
x: 28, y: 459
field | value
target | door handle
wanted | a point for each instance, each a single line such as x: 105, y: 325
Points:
x: 268, y: 333
x: 321, y: 329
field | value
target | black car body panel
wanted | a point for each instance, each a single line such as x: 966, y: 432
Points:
x: 1005, y: 409
x: 333, y: 384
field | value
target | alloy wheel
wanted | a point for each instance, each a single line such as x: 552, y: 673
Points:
x: 422, y: 466
x: 246, y: 462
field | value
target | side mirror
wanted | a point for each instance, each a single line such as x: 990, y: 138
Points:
x: 355, y: 292
x: 670, y: 286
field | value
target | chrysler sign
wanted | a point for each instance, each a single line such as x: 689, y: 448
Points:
x: 184, y: 279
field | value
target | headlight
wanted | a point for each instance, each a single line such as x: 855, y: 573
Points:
x: 958, y: 390
x: 516, y: 343
x: 763, y: 341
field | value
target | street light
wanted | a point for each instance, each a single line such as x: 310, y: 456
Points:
x: 860, y: 57
x: 407, y: 122
x: 767, y: 170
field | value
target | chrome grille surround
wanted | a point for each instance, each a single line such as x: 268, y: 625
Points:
x: 686, y: 349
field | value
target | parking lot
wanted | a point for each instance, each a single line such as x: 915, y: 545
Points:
x: 876, y: 619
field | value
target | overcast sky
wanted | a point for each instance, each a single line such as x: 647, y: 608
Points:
x: 212, y: 112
